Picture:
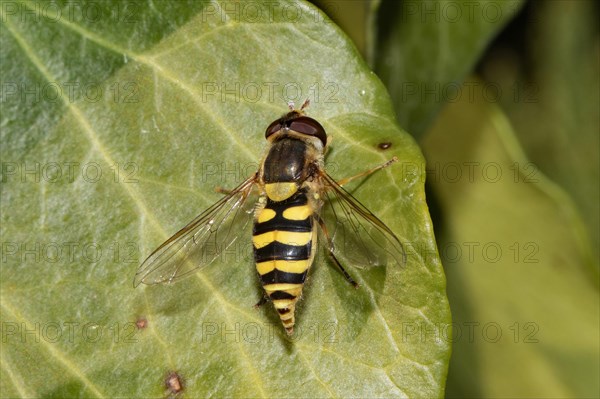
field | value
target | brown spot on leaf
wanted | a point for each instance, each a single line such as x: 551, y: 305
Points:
x: 141, y: 323
x: 174, y: 382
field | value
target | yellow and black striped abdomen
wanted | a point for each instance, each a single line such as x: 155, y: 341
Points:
x: 284, y: 239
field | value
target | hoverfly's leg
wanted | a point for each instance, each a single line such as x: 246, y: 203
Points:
x: 261, y: 302
x: 225, y: 191
x: 222, y: 190
x: 305, y: 104
x: 368, y: 172
x: 330, y: 249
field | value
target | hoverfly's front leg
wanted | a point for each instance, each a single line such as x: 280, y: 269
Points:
x: 368, y: 172
x: 225, y: 191
x: 330, y: 249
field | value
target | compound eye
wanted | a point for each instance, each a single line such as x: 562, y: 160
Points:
x: 273, y: 128
x: 308, y: 126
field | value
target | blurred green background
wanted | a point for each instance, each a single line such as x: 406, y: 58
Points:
x: 503, y: 97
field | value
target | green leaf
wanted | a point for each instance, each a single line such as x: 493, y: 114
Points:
x: 553, y: 100
x: 172, y: 108
x: 524, y: 301
x: 426, y: 49
x: 353, y: 20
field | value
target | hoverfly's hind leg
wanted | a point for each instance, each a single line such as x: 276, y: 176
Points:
x: 264, y: 299
x: 330, y: 250
x: 368, y: 172
x: 222, y: 190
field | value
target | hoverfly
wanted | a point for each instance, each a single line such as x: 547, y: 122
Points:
x: 293, y: 189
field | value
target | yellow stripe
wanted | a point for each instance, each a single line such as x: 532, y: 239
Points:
x: 291, y: 288
x: 281, y: 191
x: 289, y: 266
x: 265, y: 267
x: 264, y: 239
x: 266, y: 215
x: 284, y: 237
x: 287, y: 316
x: 283, y: 303
x: 292, y: 266
x: 297, y: 212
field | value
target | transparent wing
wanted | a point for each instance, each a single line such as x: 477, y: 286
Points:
x: 357, y: 237
x: 200, y: 242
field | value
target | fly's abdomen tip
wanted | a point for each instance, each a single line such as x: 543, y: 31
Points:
x: 287, y: 315
x: 288, y: 324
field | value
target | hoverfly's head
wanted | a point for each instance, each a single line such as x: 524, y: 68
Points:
x: 295, y: 121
